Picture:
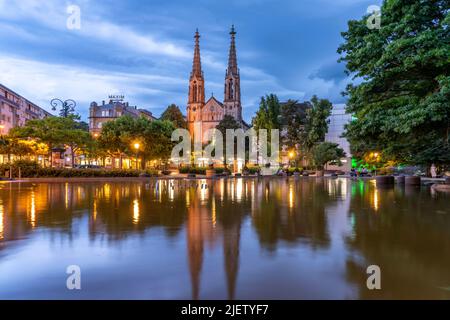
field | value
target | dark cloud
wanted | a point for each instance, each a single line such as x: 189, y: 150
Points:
x: 333, y: 71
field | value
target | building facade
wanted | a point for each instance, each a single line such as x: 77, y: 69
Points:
x: 336, y: 127
x: 115, y: 108
x: 16, y: 110
x: 204, y: 115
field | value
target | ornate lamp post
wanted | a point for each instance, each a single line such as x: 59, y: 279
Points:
x: 67, y: 106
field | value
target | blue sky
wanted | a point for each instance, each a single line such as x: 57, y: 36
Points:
x: 144, y: 50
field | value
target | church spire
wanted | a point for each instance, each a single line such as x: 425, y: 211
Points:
x: 197, y: 65
x: 232, y: 60
x: 232, y: 97
x: 196, y: 98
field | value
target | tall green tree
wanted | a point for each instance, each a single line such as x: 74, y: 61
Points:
x: 115, y: 137
x: 401, y: 102
x: 294, y: 118
x: 268, y: 115
x: 157, y: 139
x: 316, y: 124
x: 173, y: 114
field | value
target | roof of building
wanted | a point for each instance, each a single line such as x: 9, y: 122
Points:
x: 215, y: 100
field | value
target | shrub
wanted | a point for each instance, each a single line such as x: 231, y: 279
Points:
x: 31, y: 169
x: 292, y: 170
x: 220, y: 170
x: 253, y: 170
x: 194, y: 170
x: 27, y: 168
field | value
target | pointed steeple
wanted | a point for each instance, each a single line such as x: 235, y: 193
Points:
x: 232, y: 97
x: 196, y: 97
x: 197, y: 65
x: 232, y: 59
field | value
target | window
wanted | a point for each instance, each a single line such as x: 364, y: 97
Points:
x: 230, y: 89
x: 195, y: 92
x: 99, y: 125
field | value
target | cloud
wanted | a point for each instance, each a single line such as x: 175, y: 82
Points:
x: 331, y: 71
x: 144, y: 49
x: 52, y: 14
x: 40, y: 82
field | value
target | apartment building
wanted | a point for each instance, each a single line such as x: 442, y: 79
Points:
x: 16, y: 110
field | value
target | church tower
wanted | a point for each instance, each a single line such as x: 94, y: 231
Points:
x: 232, y: 98
x: 196, y: 99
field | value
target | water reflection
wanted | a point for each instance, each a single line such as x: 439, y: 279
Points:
x: 235, y: 238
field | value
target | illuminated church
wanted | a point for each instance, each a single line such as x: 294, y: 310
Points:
x: 201, y: 115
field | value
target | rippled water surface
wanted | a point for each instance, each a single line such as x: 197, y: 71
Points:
x: 218, y: 239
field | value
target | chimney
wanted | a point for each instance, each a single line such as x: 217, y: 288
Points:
x: 103, y: 102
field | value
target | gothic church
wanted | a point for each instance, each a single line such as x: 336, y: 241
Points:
x: 203, y: 116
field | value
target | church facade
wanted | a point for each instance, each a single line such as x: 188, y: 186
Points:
x: 204, y: 115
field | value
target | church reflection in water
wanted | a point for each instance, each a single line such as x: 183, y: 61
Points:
x: 339, y: 219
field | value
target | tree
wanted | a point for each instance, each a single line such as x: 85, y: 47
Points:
x: 268, y: 115
x: 157, y: 140
x: 48, y: 131
x: 326, y: 152
x: 14, y: 146
x: 293, y: 119
x: 173, y: 114
x: 316, y: 125
x: 154, y: 137
x: 401, y: 104
x: 77, y: 140
x: 227, y: 122
x: 114, y: 137
x: 54, y: 132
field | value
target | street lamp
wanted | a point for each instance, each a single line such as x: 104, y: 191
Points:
x: 291, y: 155
x: 67, y: 106
x: 136, y: 146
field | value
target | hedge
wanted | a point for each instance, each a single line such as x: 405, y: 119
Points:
x: 30, y: 169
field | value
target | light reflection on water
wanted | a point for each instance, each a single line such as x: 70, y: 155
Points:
x: 280, y: 238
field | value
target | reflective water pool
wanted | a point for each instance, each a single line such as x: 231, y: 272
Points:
x: 303, y: 238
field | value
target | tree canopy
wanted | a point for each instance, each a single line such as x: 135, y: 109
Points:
x: 268, y: 115
x: 326, y: 152
x: 173, y: 114
x: 402, y: 102
x: 54, y: 132
x: 154, y: 137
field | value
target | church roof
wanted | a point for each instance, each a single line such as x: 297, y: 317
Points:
x: 214, y: 99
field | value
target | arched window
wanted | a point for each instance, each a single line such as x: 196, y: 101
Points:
x: 194, y: 88
x: 230, y: 89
